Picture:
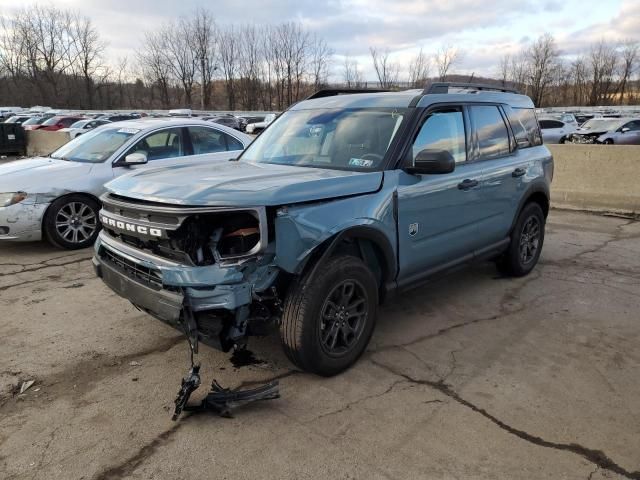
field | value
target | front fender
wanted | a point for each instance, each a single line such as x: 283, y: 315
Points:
x: 301, y: 229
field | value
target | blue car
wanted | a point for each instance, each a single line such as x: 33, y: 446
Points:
x: 344, y: 200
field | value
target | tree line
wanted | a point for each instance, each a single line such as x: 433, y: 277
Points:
x: 56, y: 57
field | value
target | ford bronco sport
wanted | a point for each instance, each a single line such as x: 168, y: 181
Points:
x: 340, y: 202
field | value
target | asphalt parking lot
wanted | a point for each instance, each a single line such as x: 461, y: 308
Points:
x: 472, y: 376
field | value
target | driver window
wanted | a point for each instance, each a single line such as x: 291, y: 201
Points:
x: 443, y: 130
x: 158, y: 145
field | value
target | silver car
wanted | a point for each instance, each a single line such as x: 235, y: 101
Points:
x: 57, y: 196
x: 555, y: 131
x: 608, y: 131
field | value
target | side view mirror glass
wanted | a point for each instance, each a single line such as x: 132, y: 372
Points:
x: 432, y: 162
x: 137, y: 158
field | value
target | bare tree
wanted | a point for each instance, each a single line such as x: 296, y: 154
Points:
x: 88, y: 54
x: 603, y: 60
x: 320, y: 60
x: 203, y: 43
x: 155, y: 65
x: 419, y: 69
x: 541, y: 59
x: 351, y: 73
x: 228, y: 50
x: 386, y: 71
x: 629, y: 58
x: 446, y: 58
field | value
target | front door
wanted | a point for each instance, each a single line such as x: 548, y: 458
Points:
x: 438, y: 214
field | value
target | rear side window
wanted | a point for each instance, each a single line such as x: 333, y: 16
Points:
x: 544, y: 124
x: 210, y: 140
x: 525, y: 126
x: 490, y: 130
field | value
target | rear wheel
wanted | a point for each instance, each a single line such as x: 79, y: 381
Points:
x: 72, y: 222
x: 329, y: 316
x: 527, y: 238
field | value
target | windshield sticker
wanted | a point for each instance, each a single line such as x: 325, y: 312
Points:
x: 360, y: 162
x: 131, y: 131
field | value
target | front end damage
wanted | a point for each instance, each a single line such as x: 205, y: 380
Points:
x: 209, y: 270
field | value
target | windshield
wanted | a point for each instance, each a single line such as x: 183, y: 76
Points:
x: 604, y: 124
x: 95, y: 146
x: 79, y: 124
x: 35, y: 120
x: 51, y: 121
x: 342, y: 139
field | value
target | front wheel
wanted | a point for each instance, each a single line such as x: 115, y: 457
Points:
x: 72, y: 222
x: 525, y: 247
x: 329, y: 316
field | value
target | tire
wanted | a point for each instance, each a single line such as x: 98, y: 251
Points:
x: 608, y: 141
x: 526, y: 243
x: 308, y: 339
x: 71, y: 222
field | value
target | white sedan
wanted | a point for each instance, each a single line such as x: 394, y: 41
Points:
x: 56, y: 197
x: 83, y: 126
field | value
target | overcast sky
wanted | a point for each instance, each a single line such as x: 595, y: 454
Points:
x: 483, y: 29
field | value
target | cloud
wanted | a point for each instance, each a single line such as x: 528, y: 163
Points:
x: 485, y: 30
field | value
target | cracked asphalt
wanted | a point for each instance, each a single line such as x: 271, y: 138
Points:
x: 471, y: 376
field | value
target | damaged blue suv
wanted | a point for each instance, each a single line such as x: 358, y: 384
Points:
x: 342, y: 201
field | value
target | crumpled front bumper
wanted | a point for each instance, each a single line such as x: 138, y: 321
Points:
x: 22, y: 222
x: 163, y: 287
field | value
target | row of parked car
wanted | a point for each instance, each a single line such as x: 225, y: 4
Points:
x: 564, y: 128
x: 78, y: 123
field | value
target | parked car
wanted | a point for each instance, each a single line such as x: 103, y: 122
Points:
x: 57, y: 196
x: 34, y: 122
x: 19, y: 119
x: 119, y: 117
x: 228, y: 121
x: 608, y: 131
x: 555, y: 131
x: 6, y: 112
x: 58, y: 122
x: 83, y: 126
x: 259, y: 126
x: 342, y: 201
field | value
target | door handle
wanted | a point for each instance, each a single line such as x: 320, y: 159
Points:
x: 467, y: 184
x: 518, y: 172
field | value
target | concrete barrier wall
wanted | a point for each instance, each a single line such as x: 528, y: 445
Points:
x: 596, y: 177
x: 43, y: 143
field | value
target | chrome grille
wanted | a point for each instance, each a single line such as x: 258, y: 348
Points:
x: 150, y: 276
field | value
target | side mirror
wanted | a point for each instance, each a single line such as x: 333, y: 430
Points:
x: 137, y: 158
x: 625, y: 129
x: 432, y: 162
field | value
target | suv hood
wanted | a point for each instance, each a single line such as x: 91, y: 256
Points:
x: 238, y: 183
x: 39, y: 174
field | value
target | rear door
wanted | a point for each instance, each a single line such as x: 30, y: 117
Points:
x: 552, y: 131
x: 438, y: 215
x: 210, y: 144
x: 507, y: 164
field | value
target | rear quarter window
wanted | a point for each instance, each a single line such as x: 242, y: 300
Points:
x: 525, y: 126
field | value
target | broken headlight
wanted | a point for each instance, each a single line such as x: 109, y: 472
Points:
x: 7, y: 199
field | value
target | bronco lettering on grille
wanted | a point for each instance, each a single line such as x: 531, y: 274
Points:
x: 130, y: 227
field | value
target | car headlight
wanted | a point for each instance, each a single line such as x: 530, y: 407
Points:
x: 7, y: 199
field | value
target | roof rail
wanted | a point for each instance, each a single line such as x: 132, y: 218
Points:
x: 443, y: 87
x: 331, y: 92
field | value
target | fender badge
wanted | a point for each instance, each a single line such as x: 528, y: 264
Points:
x: 413, y: 229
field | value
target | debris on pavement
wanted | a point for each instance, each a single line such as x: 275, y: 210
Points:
x: 133, y: 363
x: 26, y: 386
